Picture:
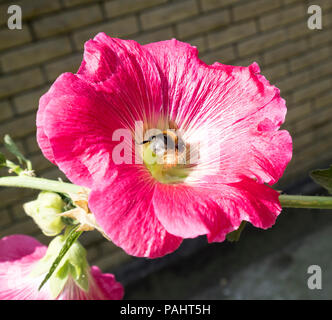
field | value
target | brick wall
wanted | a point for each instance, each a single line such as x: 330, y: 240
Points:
x: 272, y: 32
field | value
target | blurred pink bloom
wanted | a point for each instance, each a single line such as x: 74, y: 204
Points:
x: 232, y: 113
x: 19, y: 254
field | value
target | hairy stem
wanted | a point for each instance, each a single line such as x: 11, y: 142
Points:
x: 287, y: 201
x: 309, y: 202
x: 40, y: 184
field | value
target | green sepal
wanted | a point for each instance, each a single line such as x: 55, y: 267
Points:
x: 80, y: 276
x: 323, y: 177
x: 66, y: 250
x: 78, y: 265
x: 59, y: 279
x: 235, y: 235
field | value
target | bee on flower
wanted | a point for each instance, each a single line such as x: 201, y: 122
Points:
x: 225, y: 117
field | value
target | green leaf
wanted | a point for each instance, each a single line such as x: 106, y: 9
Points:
x: 12, y: 147
x: 323, y: 177
x: 72, y: 237
x: 235, y: 235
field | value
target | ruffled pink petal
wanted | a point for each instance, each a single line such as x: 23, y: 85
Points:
x: 246, y: 200
x: 183, y: 210
x: 122, y: 205
x: 228, y: 107
x: 215, y: 209
x: 180, y: 69
x: 18, y: 256
x: 102, y: 286
x: 129, y: 76
x: 111, y: 289
x: 42, y: 139
x: 79, y: 124
x: 16, y: 247
x: 117, y: 84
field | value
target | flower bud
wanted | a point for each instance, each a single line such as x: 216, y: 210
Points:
x: 45, y: 212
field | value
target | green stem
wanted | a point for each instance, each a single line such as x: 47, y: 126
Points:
x: 309, y: 202
x: 287, y: 201
x: 40, y: 184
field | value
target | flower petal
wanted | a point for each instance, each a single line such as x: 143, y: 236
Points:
x: 246, y: 200
x: 129, y: 75
x: 18, y: 256
x: 112, y: 290
x: 122, y: 205
x: 42, y: 139
x: 117, y: 84
x: 215, y: 209
x: 226, y: 106
x: 183, y: 210
x: 79, y: 124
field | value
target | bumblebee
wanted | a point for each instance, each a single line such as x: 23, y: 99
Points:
x: 168, y: 147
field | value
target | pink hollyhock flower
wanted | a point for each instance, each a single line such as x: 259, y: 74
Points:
x: 20, y: 255
x: 228, y: 116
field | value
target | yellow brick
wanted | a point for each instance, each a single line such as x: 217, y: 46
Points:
x: 254, y: 8
x: 66, y: 64
x: 5, y: 219
x: 275, y: 71
x: 324, y: 100
x: 19, y: 127
x: 5, y: 111
x: 199, y: 43
x: 309, y: 58
x: 120, y: 7
x: 288, y: 50
x: 66, y: 21
x: 231, y: 34
x: 168, y: 14
x: 31, y: 143
x: 282, y: 17
x: 312, y: 90
x: 28, y: 102
x: 27, y: 227
x: 261, y: 42
x: 293, y: 81
x: 118, y: 28
x: 298, y: 112
x: 216, y: 4
x: 203, y: 23
x: 35, y: 53
x: 9, y: 196
x: 71, y: 3
x: 14, y: 83
x: 11, y: 38
x: 30, y: 8
x: 225, y: 55
x: 156, y: 35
